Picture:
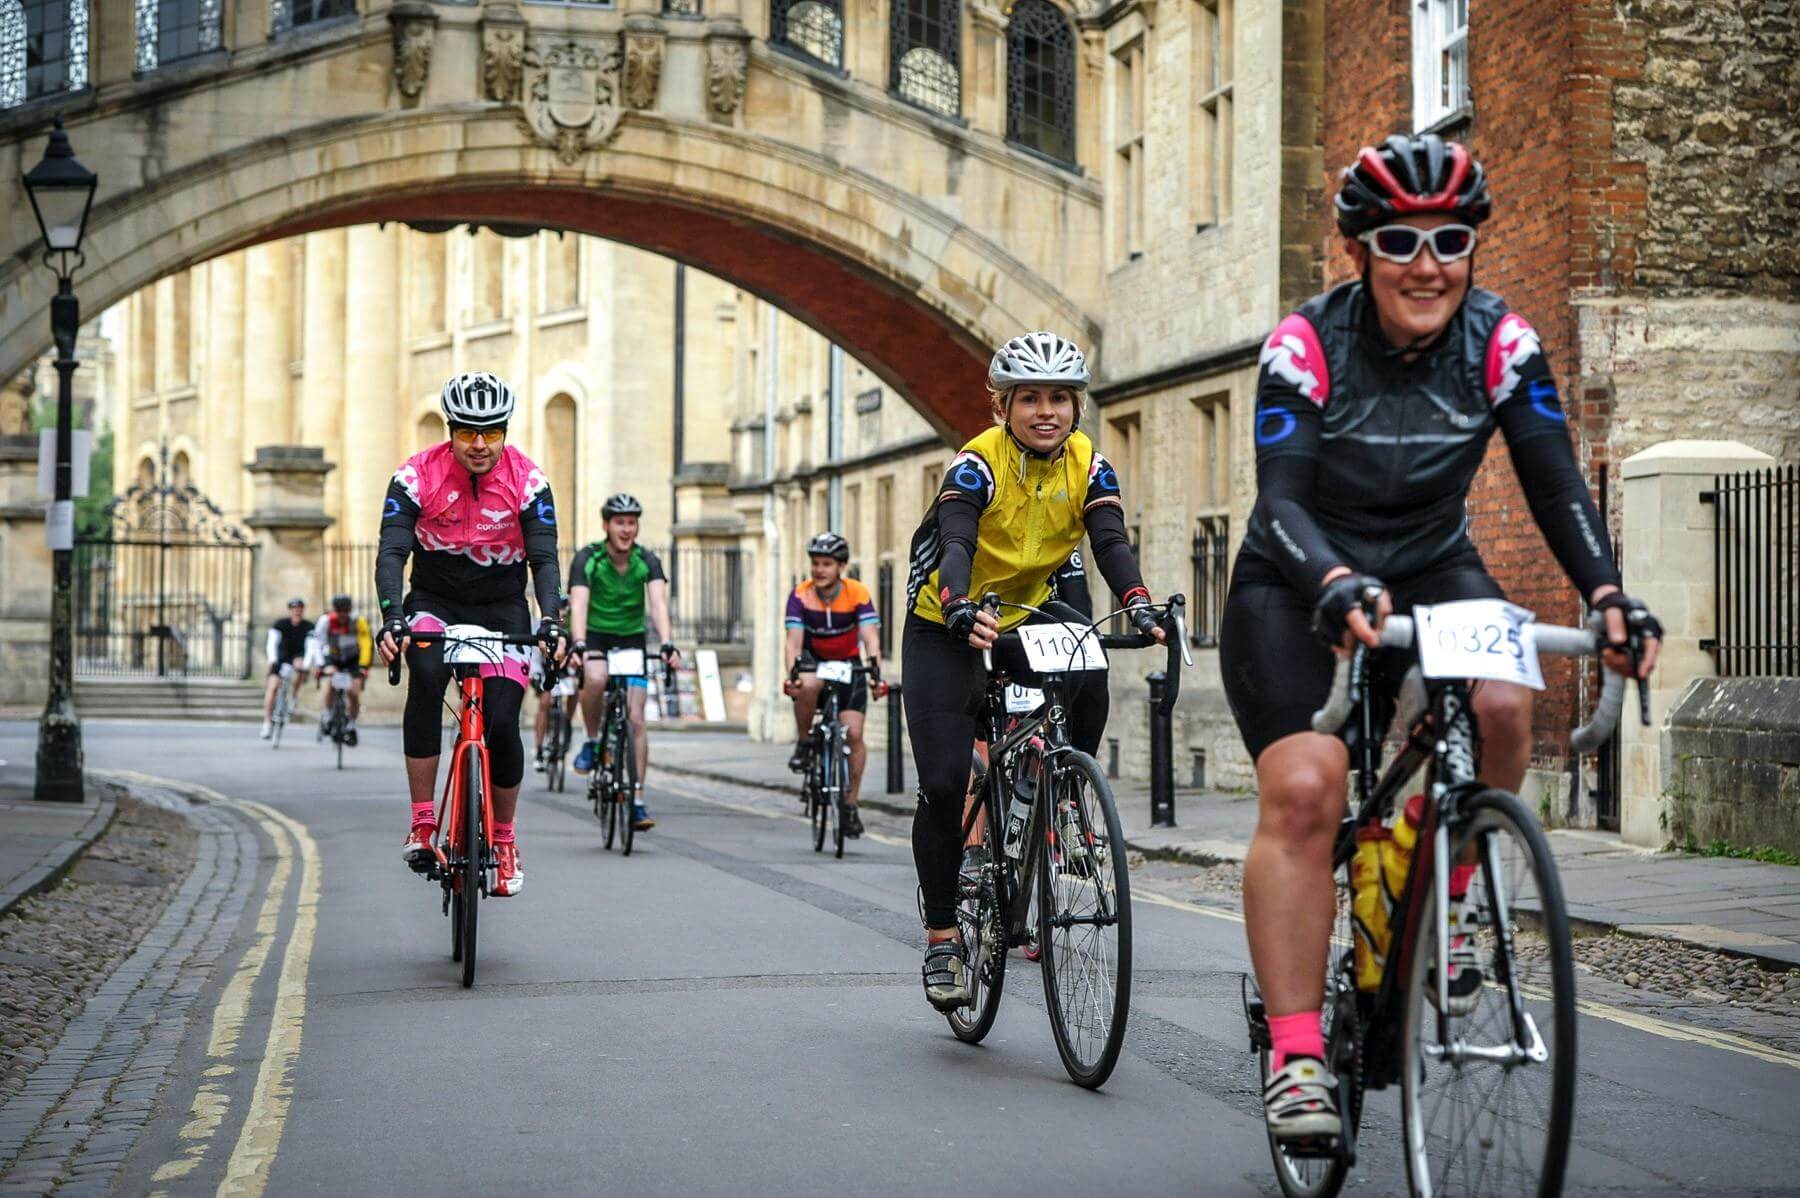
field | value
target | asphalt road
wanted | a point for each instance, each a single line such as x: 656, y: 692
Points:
x: 727, y: 1012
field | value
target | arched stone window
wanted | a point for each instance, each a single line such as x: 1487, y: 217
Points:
x: 43, y: 48
x: 181, y: 470
x: 1040, y: 80
x: 925, y: 54
x: 171, y: 30
x: 560, y: 443
x: 813, y: 27
x: 429, y: 432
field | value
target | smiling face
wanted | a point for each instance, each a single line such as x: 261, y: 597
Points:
x: 1414, y: 300
x: 477, y: 450
x: 621, y: 532
x: 825, y: 570
x: 1040, y: 416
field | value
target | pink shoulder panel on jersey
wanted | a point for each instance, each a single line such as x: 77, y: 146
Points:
x: 1294, y: 355
x: 1513, y: 343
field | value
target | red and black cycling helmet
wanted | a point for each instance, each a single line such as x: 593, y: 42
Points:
x: 1411, y: 175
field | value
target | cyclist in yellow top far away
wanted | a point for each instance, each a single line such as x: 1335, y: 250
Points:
x: 1374, y: 409
x: 1014, y: 504
x: 342, y: 642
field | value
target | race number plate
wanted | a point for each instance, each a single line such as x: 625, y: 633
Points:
x: 1061, y: 648
x: 340, y: 681
x: 625, y: 663
x: 564, y: 687
x: 1023, y: 700
x: 1478, y: 638
x: 835, y: 671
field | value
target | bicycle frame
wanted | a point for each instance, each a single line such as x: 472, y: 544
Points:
x: 470, y: 745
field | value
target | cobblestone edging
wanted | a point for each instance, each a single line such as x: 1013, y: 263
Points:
x: 82, y: 1110
x: 57, y: 860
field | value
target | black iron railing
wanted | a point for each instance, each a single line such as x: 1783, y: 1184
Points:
x: 706, y: 595
x: 1756, y: 572
x: 1212, y: 571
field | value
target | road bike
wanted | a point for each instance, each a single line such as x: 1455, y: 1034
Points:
x: 612, y: 787
x: 336, y: 722
x: 826, y: 783
x: 1048, y: 829
x: 464, y: 855
x: 1487, y: 1083
x: 559, y: 729
x: 285, y: 703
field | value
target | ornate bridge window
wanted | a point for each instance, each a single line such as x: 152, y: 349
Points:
x: 681, y: 8
x: 926, y: 53
x: 813, y: 27
x: 43, y: 48
x: 171, y: 30
x: 1040, y: 80
x: 293, y: 14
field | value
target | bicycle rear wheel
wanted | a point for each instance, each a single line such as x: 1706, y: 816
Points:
x: 474, y: 848
x: 978, y: 916
x: 1492, y: 1113
x: 1084, y: 920
x: 625, y: 770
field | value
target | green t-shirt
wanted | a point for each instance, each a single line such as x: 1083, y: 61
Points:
x: 615, y: 598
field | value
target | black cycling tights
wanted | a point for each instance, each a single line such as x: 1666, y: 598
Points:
x: 501, y: 699
x: 943, y: 691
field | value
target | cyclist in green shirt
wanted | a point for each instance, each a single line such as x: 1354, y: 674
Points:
x: 611, y: 583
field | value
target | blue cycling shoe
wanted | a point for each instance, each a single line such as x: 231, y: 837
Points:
x: 584, y: 760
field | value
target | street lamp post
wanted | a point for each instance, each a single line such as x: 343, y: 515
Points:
x: 62, y: 192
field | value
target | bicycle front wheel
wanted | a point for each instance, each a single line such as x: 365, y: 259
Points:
x: 978, y: 916
x: 1488, y: 1099
x: 474, y: 847
x: 1084, y: 920
x: 815, y: 799
x: 838, y: 789
x: 625, y: 770
x: 339, y: 718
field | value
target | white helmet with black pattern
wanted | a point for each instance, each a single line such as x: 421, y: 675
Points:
x: 1038, y: 358
x: 476, y: 399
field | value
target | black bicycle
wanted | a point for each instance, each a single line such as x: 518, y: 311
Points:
x: 1487, y: 1076
x: 612, y: 787
x: 1047, y: 829
x: 826, y: 783
x: 559, y: 728
x: 336, y: 723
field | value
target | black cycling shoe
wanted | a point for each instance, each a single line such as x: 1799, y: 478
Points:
x: 797, y: 762
x: 852, y: 822
x: 946, y: 975
x: 350, y: 737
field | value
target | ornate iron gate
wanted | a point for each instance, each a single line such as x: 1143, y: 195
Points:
x: 167, y: 590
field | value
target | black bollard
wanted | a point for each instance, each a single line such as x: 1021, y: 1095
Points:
x: 1162, y: 756
x: 896, y: 780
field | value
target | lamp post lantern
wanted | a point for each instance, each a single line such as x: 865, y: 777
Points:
x: 62, y: 193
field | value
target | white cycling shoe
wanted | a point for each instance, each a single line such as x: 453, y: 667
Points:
x: 1300, y: 1101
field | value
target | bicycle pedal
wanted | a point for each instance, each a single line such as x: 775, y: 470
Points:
x: 1315, y: 1148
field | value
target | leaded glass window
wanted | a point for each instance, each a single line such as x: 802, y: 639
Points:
x: 813, y: 27
x: 926, y: 54
x: 1040, y: 79
x: 291, y: 14
x: 43, y: 48
x: 171, y: 30
x: 681, y: 8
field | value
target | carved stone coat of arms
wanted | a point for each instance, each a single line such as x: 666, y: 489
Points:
x: 571, y: 95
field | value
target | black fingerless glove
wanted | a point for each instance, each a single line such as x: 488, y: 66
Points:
x: 1639, y: 623
x: 667, y: 652
x: 874, y: 669
x: 1143, y: 618
x: 1340, y: 597
x: 395, y: 626
x: 959, y: 616
x: 549, y: 632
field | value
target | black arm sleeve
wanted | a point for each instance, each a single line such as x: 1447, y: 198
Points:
x: 540, y: 551
x: 1559, y: 497
x: 959, y: 524
x: 1112, y: 549
x: 1286, y: 488
x: 398, y: 516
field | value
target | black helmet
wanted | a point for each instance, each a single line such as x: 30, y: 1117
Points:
x: 340, y: 602
x: 621, y: 505
x: 829, y: 544
x: 1407, y: 176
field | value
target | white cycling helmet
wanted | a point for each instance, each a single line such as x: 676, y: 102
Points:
x: 476, y: 400
x: 1038, y: 358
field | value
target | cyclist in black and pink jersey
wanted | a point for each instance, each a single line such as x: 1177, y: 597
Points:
x: 471, y: 512
x: 1373, y: 412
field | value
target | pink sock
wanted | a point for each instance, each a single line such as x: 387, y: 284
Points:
x: 1297, y: 1035
x: 424, y: 813
x: 503, y: 833
x: 1460, y: 877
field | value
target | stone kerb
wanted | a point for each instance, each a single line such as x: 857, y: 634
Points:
x: 1668, y: 553
x: 289, y: 517
x: 24, y: 576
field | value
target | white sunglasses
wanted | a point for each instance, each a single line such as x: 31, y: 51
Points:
x: 1402, y: 243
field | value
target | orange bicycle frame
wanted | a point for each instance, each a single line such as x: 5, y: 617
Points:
x: 471, y: 733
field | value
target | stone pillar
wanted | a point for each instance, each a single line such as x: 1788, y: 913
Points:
x: 371, y: 378
x: 222, y: 385
x: 322, y: 399
x: 984, y: 79
x: 289, y: 517
x: 268, y: 387
x: 1668, y: 535
x: 246, y: 23
x: 24, y: 577
x: 112, y: 44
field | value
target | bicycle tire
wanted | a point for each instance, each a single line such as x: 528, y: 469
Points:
x: 604, y: 808
x: 1486, y: 815
x: 280, y: 717
x: 1088, y: 1064
x: 625, y: 762
x: 339, y: 717
x: 978, y: 915
x: 815, y: 796
x: 840, y: 787
x: 474, y: 839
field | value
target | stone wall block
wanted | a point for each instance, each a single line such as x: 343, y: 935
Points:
x: 25, y: 576
x: 288, y: 482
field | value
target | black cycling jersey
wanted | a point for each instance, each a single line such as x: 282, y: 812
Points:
x: 293, y: 634
x: 1364, y: 458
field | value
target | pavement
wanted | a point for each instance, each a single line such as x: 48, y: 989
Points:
x: 724, y: 1012
x: 1744, y: 908
x: 42, y: 840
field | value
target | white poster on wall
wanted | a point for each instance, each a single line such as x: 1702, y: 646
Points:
x: 712, y: 695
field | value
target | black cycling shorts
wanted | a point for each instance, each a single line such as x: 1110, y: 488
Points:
x: 1276, y: 670
x: 502, y: 689
x: 852, y: 695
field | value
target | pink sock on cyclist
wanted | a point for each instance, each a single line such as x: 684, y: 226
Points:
x: 1460, y: 877
x: 503, y: 833
x: 1298, y: 1035
x: 424, y: 814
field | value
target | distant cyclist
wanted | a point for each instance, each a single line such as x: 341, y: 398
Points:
x: 543, y: 681
x: 470, y: 512
x: 611, y: 584
x: 285, y: 646
x: 832, y: 617
x: 343, y: 644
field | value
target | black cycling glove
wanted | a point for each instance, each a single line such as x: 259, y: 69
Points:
x: 396, y: 627
x: 1639, y: 623
x: 959, y: 616
x: 549, y: 632
x: 1340, y: 597
x: 667, y: 651
x: 1143, y: 618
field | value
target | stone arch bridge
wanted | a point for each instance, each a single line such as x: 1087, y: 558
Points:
x: 914, y: 240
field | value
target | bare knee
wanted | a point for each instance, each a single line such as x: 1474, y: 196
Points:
x: 1504, y: 713
x: 1301, y: 792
